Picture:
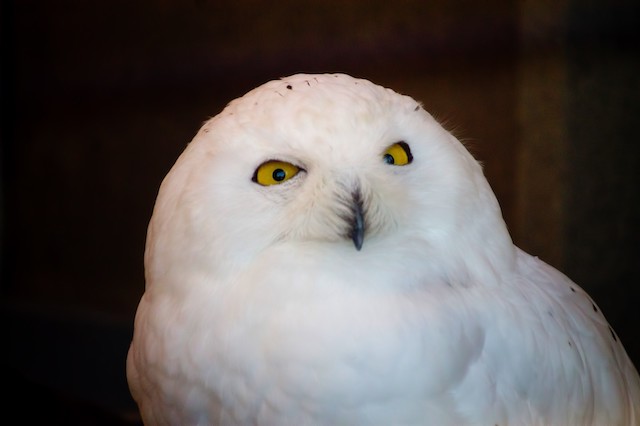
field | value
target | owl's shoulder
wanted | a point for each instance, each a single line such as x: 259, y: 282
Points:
x: 541, y: 328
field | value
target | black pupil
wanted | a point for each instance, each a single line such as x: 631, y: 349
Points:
x: 388, y: 158
x: 279, y: 175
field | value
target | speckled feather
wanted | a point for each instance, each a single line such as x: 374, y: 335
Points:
x: 258, y: 308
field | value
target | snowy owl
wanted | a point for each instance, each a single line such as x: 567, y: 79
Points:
x: 325, y: 253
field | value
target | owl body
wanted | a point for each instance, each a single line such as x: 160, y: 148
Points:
x: 325, y: 253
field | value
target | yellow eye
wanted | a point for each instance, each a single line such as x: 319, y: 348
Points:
x: 274, y: 172
x: 398, y: 154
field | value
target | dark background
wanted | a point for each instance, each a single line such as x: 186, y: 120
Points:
x: 99, y: 99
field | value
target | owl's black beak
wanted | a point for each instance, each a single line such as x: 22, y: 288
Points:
x: 358, y: 224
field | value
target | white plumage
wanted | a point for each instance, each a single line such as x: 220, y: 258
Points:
x: 325, y: 253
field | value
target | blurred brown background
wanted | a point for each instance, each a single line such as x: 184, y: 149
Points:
x: 99, y: 99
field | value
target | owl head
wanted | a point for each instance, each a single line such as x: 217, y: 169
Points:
x: 330, y: 162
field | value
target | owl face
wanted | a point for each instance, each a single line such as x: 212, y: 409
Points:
x: 324, y: 159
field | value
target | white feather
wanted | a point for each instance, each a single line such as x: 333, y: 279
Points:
x: 258, y: 308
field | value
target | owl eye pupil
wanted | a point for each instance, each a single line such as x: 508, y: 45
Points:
x: 388, y: 158
x: 279, y: 175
